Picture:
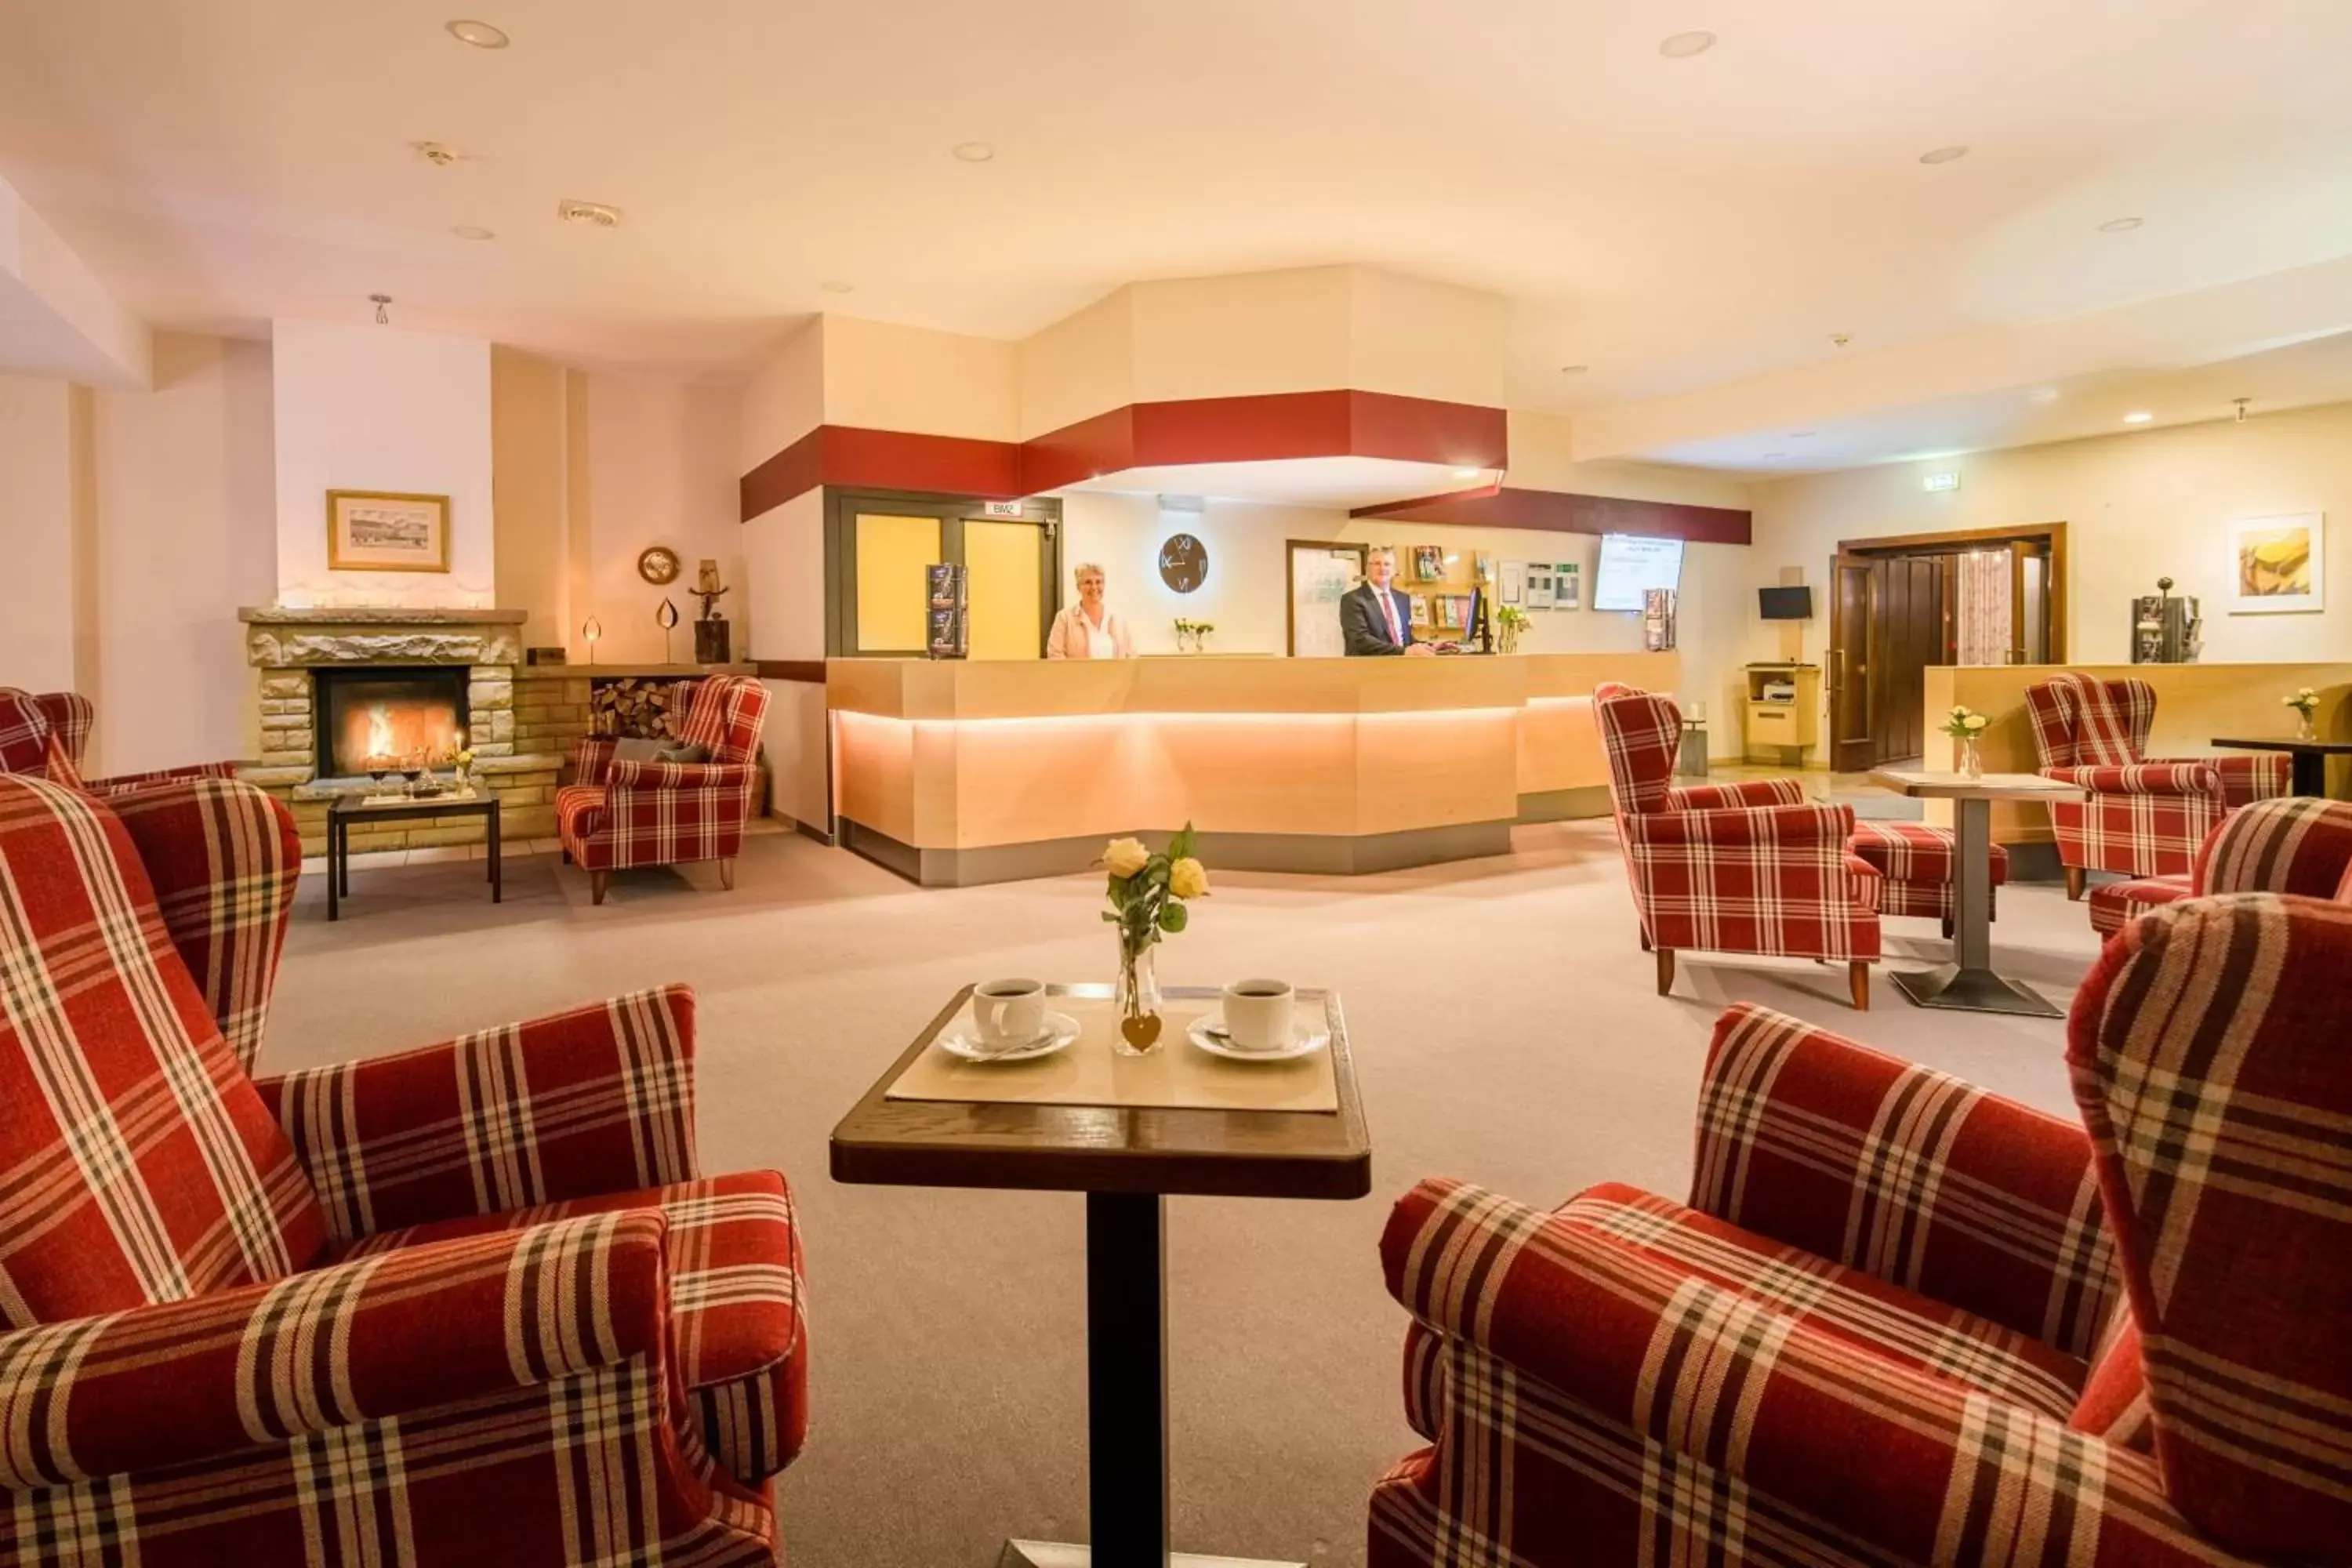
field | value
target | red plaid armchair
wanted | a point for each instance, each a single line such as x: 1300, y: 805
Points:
x: 471, y: 1304
x: 2141, y: 815
x: 1888, y: 1329
x: 619, y: 814
x: 48, y: 735
x: 1745, y: 867
x: 2291, y: 845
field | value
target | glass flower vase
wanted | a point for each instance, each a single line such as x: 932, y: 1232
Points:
x: 1971, y: 759
x: 2303, y: 729
x: 1137, y: 999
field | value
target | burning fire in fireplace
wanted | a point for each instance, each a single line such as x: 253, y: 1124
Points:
x: 380, y: 719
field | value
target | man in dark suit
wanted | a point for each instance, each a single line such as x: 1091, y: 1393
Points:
x: 1375, y: 618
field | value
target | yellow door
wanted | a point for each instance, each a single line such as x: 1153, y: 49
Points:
x: 1002, y: 563
x: 893, y: 591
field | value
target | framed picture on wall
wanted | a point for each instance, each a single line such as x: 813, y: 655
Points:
x: 1567, y: 586
x: 2278, y: 564
x: 1429, y: 563
x: 385, y: 530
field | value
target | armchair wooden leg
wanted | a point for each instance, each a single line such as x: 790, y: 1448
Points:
x: 1947, y: 928
x: 1665, y: 970
x: 1858, y: 971
x: 567, y: 856
x: 727, y: 873
x: 596, y: 881
x: 1645, y: 939
x: 2074, y: 884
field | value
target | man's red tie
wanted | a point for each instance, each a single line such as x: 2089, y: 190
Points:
x: 1387, y: 609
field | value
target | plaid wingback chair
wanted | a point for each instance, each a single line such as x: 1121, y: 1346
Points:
x: 1889, y: 1327
x: 1746, y: 867
x: 2290, y: 845
x: 472, y: 1303
x: 617, y: 814
x: 2141, y: 815
x: 47, y: 736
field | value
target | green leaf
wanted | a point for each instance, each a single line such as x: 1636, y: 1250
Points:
x: 1172, y: 918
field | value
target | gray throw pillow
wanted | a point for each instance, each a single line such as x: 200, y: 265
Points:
x: 693, y: 751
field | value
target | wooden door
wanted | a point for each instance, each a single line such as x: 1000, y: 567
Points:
x: 1852, y: 712
x: 1909, y: 631
x: 1003, y: 563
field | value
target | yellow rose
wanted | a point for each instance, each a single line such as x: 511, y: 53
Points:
x: 1125, y: 857
x: 1976, y: 722
x: 1188, y: 879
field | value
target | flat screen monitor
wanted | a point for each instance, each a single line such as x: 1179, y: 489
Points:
x: 1785, y: 603
x: 1475, y: 633
x: 1631, y: 564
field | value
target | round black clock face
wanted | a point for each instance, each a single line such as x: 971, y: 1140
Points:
x: 1184, y: 562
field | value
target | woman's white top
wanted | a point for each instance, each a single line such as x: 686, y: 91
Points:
x: 1100, y: 644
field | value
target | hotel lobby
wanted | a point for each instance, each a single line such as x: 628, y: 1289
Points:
x: 1316, y: 785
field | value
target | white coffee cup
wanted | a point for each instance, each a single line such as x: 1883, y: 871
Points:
x: 1258, y: 1014
x: 1006, y: 1013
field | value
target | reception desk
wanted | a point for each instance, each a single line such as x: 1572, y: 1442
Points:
x: 963, y: 772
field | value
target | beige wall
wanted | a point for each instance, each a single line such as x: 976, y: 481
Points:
x: 2138, y: 506
x: 37, y: 519
x: 531, y: 494
x: 784, y: 399
x: 880, y: 376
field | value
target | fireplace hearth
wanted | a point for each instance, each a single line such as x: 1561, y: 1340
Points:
x: 371, y: 714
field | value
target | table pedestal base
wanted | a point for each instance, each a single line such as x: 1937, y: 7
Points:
x: 1971, y: 991
x: 1061, y: 1554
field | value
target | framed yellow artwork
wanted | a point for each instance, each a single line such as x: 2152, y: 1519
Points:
x: 387, y: 531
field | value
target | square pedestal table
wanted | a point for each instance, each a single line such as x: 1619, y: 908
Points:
x: 2310, y: 759
x: 1970, y: 984
x: 1127, y: 1132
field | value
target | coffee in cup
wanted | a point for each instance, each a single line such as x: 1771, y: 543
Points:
x: 1258, y: 1014
x: 1008, y: 1013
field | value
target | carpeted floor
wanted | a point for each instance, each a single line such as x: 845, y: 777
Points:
x: 1506, y: 1029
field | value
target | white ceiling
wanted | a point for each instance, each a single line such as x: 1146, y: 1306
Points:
x: 1674, y: 224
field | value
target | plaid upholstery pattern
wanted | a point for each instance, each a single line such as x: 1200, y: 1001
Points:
x: 1916, y: 864
x: 2142, y: 816
x: 2283, y: 844
x: 598, y: 1099
x: 24, y: 733
x: 660, y: 813
x: 1906, y: 1174
x: 499, y: 1399
x: 1608, y: 1403
x: 2207, y: 1049
x: 28, y: 724
x: 223, y: 858
x: 2115, y: 905
x: 71, y: 717
x: 137, y: 1166
x: 736, y: 1323
x: 1752, y: 878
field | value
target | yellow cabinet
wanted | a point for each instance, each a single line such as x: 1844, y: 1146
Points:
x: 1784, y: 712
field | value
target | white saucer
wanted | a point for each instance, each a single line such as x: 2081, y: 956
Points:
x: 1060, y: 1030
x: 1305, y: 1041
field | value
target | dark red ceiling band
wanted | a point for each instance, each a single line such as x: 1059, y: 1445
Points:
x: 1267, y: 427
x: 1561, y: 511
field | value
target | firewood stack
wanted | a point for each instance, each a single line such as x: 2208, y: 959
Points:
x: 633, y: 705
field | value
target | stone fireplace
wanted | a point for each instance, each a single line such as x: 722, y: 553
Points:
x: 366, y: 718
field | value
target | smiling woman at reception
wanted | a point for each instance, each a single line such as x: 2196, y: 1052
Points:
x: 1088, y: 629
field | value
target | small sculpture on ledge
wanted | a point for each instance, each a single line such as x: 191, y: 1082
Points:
x: 711, y: 642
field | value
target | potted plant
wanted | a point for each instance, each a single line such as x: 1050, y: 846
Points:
x: 2306, y: 703
x: 1509, y: 622
x: 1147, y: 893
x: 1964, y: 726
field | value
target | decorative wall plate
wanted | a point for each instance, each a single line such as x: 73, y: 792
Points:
x: 658, y: 565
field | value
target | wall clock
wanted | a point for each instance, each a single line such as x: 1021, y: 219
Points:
x: 1184, y: 562
x: 658, y: 565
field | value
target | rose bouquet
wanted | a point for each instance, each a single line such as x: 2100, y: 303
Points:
x: 2306, y: 703
x: 1964, y: 726
x: 1147, y: 893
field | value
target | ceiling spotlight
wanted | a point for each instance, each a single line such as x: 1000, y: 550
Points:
x: 1840, y: 339
x: 383, y: 309
x: 974, y: 152
x: 2242, y: 402
x: 481, y: 34
x: 595, y: 215
x: 1682, y: 46
x: 1943, y: 154
x: 1574, y: 369
x: 2119, y: 225
x: 836, y: 285
x: 1469, y: 473
x: 2138, y: 416
x: 472, y: 231
x: 2043, y: 395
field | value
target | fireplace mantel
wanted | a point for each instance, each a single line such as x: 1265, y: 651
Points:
x: 377, y: 616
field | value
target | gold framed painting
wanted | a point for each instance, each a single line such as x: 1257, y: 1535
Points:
x: 2278, y: 564
x: 387, y: 531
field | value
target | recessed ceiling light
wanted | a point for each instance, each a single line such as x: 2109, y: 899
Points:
x: 472, y: 231
x: 974, y: 152
x: 836, y: 285
x: 1574, y: 369
x: 2138, y: 416
x: 1943, y: 154
x: 1467, y: 473
x: 2119, y: 225
x: 595, y: 215
x: 2043, y: 395
x: 481, y: 34
x: 1682, y: 46
x: 1802, y: 435
x: 1774, y: 457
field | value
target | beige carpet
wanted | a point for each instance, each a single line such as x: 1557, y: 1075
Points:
x: 1506, y: 1029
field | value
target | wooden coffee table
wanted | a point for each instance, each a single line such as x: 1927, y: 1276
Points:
x: 1127, y: 1159
x: 2310, y: 759
x: 346, y: 809
x: 1969, y: 984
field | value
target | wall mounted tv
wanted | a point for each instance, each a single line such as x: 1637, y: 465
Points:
x: 1785, y: 603
x: 1631, y: 564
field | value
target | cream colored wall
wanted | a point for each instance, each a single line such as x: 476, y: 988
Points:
x: 784, y: 399
x: 2138, y: 506
x: 1542, y: 459
x: 1418, y: 339
x: 881, y: 376
x: 659, y: 469
x: 36, y: 518
x: 529, y: 493
x: 1250, y: 332
x: 1079, y: 366
x: 784, y: 555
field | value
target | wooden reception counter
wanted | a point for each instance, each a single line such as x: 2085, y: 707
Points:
x: 981, y: 770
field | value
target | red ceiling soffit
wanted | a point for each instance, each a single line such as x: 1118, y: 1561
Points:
x: 1562, y: 512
